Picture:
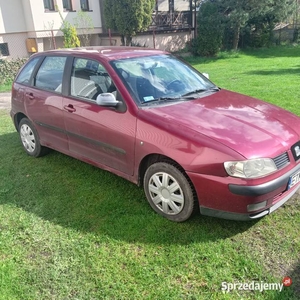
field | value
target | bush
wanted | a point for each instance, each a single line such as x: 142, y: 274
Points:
x: 9, y: 69
x: 210, y: 31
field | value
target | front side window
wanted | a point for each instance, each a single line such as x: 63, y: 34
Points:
x: 84, y: 4
x: 25, y: 74
x: 49, y: 5
x: 67, y: 4
x: 90, y: 79
x: 160, y: 77
x: 50, y: 74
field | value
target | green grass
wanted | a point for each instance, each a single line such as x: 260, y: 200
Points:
x: 5, y: 87
x: 71, y: 231
x: 271, y: 74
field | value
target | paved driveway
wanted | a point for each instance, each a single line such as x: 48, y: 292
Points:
x: 5, y: 101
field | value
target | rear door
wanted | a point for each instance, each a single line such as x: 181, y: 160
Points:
x: 43, y: 102
x: 100, y: 134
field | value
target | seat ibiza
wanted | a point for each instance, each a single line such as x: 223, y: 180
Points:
x: 151, y: 118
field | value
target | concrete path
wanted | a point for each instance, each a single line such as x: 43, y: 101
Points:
x: 5, y: 101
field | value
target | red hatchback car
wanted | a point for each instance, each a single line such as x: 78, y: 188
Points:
x: 154, y: 120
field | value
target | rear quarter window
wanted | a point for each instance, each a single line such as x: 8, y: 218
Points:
x: 26, y: 72
x: 50, y: 73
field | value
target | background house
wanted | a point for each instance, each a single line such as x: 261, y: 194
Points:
x: 29, y: 26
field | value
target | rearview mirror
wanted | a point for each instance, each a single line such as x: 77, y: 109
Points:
x: 107, y: 99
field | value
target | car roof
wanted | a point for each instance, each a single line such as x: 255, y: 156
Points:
x: 106, y: 52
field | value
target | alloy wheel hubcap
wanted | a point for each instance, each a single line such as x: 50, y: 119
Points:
x: 27, y: 138
x: 166, y: 193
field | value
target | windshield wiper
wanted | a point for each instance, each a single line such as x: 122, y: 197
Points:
x: 181, y: 98
x: 215, y: 89
x: 167, y: 98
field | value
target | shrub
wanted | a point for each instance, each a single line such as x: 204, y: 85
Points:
x: 210, y: 31
x: 71, y: 39
x: 9, y: 69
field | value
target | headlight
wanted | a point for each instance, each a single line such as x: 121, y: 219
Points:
x: 252, y: 168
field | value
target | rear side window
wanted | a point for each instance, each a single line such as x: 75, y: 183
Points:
x: 26, y: 72
x: 50, y: 74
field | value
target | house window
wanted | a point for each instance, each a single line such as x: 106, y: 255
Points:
x: 84, y: 4
x: 4, y: 49
x: 67, y: 4
x: 49, y: 5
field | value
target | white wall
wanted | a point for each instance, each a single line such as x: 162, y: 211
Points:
x: 30, y: 15
x: 22, y: 19
x: 16, y: 44
x: 11, y: 16
x: 179, y: 5
x: 172, y: 41
x: 51, y: 19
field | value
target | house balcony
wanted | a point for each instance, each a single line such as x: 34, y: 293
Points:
x: 169, y: 21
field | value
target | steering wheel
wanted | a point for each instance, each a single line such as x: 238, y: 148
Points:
x: 175, y: 85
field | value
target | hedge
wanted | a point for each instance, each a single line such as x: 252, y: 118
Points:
x: 9, y: 69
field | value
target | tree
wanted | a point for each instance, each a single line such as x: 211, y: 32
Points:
x: 295, y: 21
x: 236, y: 14
x: 128, y: 17
x: 210, y: 31
x: 254, y: 19
x: 84, y: 24
x: 263, y: 19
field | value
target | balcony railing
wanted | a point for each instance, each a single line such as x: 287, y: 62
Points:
x: 171, y: 20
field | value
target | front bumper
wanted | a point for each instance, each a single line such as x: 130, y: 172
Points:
x: 247, y: 217
x: 231, y: 198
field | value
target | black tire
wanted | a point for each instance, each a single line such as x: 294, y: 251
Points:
x: 30, y: 139
x: 169, y: 192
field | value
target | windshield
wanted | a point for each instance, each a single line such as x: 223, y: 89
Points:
x: 161, y: 78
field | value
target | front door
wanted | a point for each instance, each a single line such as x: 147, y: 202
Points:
x: 100, y: 134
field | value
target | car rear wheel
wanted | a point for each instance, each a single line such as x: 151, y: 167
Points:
x: 30, y: 139
x: 169, y: 191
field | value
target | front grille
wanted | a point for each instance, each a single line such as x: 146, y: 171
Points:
x: 282, y: 160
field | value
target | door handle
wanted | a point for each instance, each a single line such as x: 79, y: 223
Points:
x: 30, y: 96
x: 70, y: 108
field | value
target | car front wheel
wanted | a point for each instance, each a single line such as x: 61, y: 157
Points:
x: 169, y: 191
x: 30, y: 139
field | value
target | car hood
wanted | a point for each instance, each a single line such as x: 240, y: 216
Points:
x: 251, y: 127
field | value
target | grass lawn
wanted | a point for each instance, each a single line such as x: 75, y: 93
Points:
x: 71, y: 231
x: 5, y: 88
x: 271, y: 74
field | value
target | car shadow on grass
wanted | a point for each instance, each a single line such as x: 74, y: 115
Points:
x: 73, y: 194
x: 295, y: 276
x: 291, y: 282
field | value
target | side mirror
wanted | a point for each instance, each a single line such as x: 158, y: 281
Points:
x: 107, y: 99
